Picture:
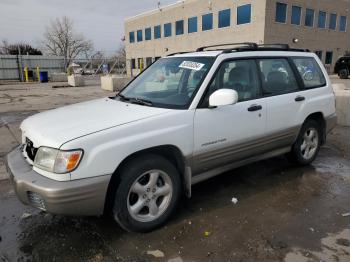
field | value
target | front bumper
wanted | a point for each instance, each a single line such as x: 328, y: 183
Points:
x: 84, y: 197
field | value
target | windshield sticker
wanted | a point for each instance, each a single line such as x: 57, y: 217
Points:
x: 191, y: 65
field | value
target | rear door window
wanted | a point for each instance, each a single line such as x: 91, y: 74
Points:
x: 310, y: 72
x: 277, y: 76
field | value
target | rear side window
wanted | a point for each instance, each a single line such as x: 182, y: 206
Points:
x: 310, y: 72
x: 277, y: 76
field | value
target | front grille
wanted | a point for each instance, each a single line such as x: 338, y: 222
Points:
x: 30, y: 149
x: 36, y: 200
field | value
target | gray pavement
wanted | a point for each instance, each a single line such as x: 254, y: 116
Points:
x: 284, y: 212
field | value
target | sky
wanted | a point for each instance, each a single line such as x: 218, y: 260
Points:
x: 102, y: 21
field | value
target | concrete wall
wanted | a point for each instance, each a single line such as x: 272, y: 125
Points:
x: 312, y: 38
x: 253, y: 32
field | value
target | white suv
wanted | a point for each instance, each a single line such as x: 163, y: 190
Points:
x: 186, y: 118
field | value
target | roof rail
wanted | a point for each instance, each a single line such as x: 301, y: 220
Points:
x: 248, y: 45
x: 179, y: 53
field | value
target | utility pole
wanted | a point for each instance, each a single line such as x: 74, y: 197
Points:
x: 20, y: 66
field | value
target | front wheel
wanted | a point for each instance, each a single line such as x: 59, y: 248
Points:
x: 344, y: 74
x: 307, y: 145
x: 147, y: 194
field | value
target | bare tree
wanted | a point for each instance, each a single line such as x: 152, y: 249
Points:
x: 18, y: 48
x: 60, y: 39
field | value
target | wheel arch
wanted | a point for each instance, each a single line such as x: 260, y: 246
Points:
x: 170, y: 152
x: 319, y: 118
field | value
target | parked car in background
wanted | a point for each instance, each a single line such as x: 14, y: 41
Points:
x: 342, y: 67
x: 186, y: 118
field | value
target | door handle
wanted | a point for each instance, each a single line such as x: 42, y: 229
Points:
x: 299, y: 98
x: 253, y: 108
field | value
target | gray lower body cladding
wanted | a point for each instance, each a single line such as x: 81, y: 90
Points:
x: 77, y: 197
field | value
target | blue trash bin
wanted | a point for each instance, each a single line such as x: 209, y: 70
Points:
x: 44, y: 77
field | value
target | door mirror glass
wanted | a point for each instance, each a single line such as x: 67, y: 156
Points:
x: 223, y: 97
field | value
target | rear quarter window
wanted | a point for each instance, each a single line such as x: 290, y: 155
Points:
x: 310, y: 72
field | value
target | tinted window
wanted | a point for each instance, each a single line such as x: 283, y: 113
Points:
x: 277, y: 76
x: 333, y: 22
x: 244, y: 14
x: 309, y: 17
x: 281, y: 13
x: 310, y: 72
x: 237, y: 75
x: 179, y: 27
x: 139, y: 35
x: 207, y: 22
x: 329, y: 58
x: 192, y: 24
x: 132, y: 37
x: 322, y: 17
x: 296, y: 15
x: 224, y: 18
x: 157, y: 32
x: 148, y: 33
x: 342, y: 24
x: 140, y: 63
x: 167, y: 30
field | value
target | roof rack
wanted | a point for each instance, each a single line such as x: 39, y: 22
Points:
x: 239, y: 45
x: 249, y: 46
x: 179, y: 53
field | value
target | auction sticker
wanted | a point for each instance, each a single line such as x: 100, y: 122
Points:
x: 191, y: 65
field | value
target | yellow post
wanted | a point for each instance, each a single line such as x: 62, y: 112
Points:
x: 38, y: 73
x: 26, y: 76
x: 141, y: 64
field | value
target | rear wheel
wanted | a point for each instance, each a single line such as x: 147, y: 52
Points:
x: 344, y: 73
x: 308, y: 143
x: 147, y: 194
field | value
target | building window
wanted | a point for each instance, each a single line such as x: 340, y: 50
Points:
x: 167, y: 30
x: 224, y: 18
x: 244, y: 14
x: 281, y: 13
x: 179, y: 26
x: 333, y: 22
x: 296, y: 15
x: 322, y: 17
x: 319, y: 54
x: 148, y: 61
x: 192, y: 25
x: 309, y: 17
x: 342, y: 24
x: 133, y: 64
x: 207, y: 22
x: 148, y: 33
x: 132, y: 37
x: 329, y: 58
x: 139, y: 35
x: 157, y: 32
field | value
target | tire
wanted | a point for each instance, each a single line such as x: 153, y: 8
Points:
x: 148, y: 193
x: 344, y: 74
x: 306, y: 147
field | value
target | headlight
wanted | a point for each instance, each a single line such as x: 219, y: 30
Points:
x: 57, y: 161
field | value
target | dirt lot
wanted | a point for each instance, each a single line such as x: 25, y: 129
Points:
x: 284, y: 212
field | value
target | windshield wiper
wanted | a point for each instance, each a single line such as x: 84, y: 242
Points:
x: 123, y: 97
x: 140, y: 101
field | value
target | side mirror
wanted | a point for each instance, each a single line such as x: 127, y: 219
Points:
x: 223, y: 97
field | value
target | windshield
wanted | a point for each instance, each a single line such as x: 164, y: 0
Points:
x: 169, y: 82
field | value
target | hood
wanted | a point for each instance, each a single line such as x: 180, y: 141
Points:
x: 56, y: 127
